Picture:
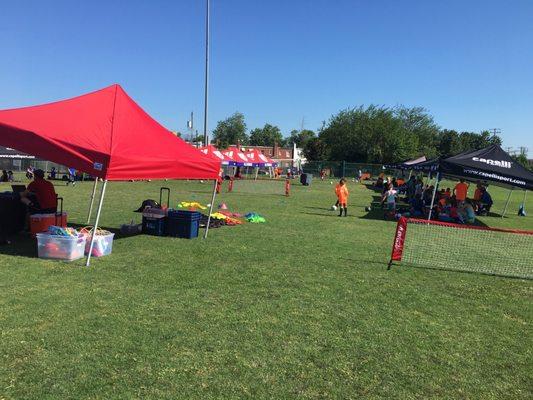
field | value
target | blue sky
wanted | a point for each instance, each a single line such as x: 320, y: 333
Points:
x: 470, y: 63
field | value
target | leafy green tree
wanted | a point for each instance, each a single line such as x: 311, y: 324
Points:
x: 522, y: 160
x: 300, y: 138
x: 230, y: 131
x: 268, y: 135
x: 373, y: 134
x: 451, y: 142
x: 316, y: 150
x: 448, y: 143
x: 420, y: 127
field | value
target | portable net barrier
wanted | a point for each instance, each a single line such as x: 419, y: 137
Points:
x: 448, y: 246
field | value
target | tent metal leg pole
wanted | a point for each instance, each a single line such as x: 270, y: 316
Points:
x: 93, y: 236
x: 92, y: 201
x: 507, y: 202
x: 433, y: 197
x: 524, y: 201
x: 211, y: 209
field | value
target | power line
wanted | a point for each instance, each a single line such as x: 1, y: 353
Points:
x: 495, y: 131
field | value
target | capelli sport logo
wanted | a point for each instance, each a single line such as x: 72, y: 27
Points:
x: 497, y: 163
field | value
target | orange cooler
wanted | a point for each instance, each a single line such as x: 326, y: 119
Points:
x: 40, y: 222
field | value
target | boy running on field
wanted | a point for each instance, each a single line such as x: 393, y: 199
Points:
x: 341, y: 190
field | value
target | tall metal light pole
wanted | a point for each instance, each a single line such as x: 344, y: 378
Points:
x: 206, y: 72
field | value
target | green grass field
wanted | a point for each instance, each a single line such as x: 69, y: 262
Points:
x: 300, y: 307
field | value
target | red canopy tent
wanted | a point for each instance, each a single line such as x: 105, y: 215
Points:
x: 259, y: 159
x: 107, y: 135
x: 238, y: 158
x: 212, y: 151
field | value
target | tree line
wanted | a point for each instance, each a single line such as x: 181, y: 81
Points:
x: 371, y: 134
x: 233, y: 130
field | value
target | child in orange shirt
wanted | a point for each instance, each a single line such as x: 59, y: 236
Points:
x: 341, y: 190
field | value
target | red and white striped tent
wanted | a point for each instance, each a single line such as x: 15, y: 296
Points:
x: 259, y: 159
x: 212, y: 151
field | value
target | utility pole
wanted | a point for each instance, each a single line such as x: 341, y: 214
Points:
x: 190, y: 126
x: 206, y: 93
x: 495, y: 131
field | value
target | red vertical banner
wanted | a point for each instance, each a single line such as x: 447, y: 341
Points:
x: 399, y: 240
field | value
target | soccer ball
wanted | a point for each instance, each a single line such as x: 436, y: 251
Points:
x: 334, y: 208
x: 368, y: 208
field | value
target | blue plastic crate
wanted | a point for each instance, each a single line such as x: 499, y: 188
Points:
x: 181, y: 228
x: 154, y: 226
x: 184, y: 214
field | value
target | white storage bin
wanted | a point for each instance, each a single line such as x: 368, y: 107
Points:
x: 67, y: 248
x: 103, y: 245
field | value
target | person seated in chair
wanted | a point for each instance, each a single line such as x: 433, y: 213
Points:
x: 485, y: 203
x: 417, y: 206
x: 467, y: 212
x: 40, y: 195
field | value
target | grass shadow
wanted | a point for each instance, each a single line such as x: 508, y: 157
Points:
x: 460, y: 271
x: 331, y: 214
x: 118, y: 234
x: 318, y: 208
x: 23, y: 244
x: 377, y: 212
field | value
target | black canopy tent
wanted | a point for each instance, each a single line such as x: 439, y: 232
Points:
x: 13, y: 159
x: 406, y: 165
x: 6, y: 152
x: 491, y: 164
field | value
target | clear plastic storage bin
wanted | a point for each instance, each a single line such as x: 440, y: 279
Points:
x: 66, y: 248
x: 103, y: 245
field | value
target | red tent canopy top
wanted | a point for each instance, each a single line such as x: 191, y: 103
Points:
x: 212, y: 151
x: 105, y: 134
x: 237, y: 156
x: 259, y: 158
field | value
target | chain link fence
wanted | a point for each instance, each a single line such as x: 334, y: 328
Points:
x: 20, y: 165
x: 339, y: 169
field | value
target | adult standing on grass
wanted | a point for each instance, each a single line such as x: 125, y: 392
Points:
x: 341, y: 190
x: 461, y: 191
